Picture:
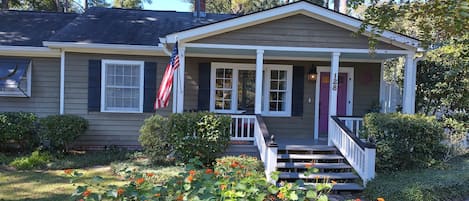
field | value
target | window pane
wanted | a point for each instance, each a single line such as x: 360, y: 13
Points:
x: 228, y: 73
x: 273, y: 106
x: 227, y: 84
x: 281, y: 96
x: 220, y: 73
x: 122, y: 87
x: 274, y: 75
x: 282, y: 75
x: 274, y: 85
x: 282, y: 85
x: 219, y: 83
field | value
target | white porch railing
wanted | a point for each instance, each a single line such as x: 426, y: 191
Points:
x: 360, y: 155
x: 254, y: 128
x: 352, y: 123
x: 242, y: 127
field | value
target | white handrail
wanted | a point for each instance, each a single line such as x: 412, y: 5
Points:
x: 360, y: 157
x: 353, y: 123
x: 242, y: 127
x: 267, y: 152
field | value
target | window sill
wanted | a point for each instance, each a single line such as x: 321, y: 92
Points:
x: 122, y: 111
x: 14, y: 95
x: 265, y: 114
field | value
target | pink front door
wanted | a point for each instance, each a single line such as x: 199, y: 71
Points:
x: 324, y: 99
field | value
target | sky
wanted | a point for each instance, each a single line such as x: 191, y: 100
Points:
x: 177, y: 5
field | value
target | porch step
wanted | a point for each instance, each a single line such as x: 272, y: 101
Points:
x: 292, y: 161
x: 320, y: 176
x: 342, y: 186
x: 242, y: 149
x: 301, y: 165
x: 310, y: 156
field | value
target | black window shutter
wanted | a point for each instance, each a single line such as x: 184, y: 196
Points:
x: 298, y: 90
x: 94, y: 85
x: 204, y: 87
x: 149, y: 87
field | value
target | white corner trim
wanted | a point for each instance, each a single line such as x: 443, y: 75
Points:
x: 350, y: 88
x: 107, y: 48
x: 103, y: 84
x: 28, y: 51
x: 62, y: 82
x: 294, y: 49
x: 280, y: 12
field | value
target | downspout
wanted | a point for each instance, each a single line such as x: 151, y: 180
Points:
x: 62, y: 81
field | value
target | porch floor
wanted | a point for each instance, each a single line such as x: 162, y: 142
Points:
x: 289, y: 140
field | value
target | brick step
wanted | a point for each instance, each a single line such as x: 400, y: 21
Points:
x: 301, y: 165
x: 330, y: 176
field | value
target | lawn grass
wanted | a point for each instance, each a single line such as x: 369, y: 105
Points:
x: 54, y: 185
x: 50, y: 185
x: 448, y: 183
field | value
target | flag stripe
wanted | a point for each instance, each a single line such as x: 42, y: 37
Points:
x: 166, y: 85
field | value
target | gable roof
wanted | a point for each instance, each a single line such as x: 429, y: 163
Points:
x: 128, y: 26
x: 300, y: 7
x: 30, y: 28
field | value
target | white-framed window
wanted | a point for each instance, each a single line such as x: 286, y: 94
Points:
x: 233, y: 88
x: 122, y: 86
x: 21, y: 89
x: 277, y: 90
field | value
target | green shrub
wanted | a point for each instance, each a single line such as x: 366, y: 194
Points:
x: 154, y: 138
x: 18, y: 128
x: 455, y: 135
x: 62, y: 130
x: 201, y: 134
x: 404, y: 141
x: 36, y: 160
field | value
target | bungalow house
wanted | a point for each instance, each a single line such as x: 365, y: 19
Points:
x: 296, y: 71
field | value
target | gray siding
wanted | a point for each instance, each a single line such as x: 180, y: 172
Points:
x: 105, y: 128
x: 294, y: 31
x: 366, y: 91
x: 45, y: 90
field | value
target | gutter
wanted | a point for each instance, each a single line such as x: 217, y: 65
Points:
x: 28, y: 51
x: 106, y: 48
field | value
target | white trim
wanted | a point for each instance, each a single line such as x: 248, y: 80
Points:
x: 295, y: 49
x: 107, y: 48
x: 382, y: 90
x: 62, y: 82
x: 350, y: 89
x: 28, y: 51
x: 180, y: 78
x: 103, y: 84
x: 19, y: 94
x: 259, y: 78
x: 408, y: 101
x: 288, y: 95
x: 284, y: 58
x: 317, y: 12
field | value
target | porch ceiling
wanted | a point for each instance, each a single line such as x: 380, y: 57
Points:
x: 282, y: 55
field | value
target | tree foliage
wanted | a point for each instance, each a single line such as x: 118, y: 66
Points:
x: 134, y: 4
x: 244, y: 6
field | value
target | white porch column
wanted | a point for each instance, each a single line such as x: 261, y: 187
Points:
x: 62, y: 82
x: 408, y: 100
x: 181, y: 78
x: 333, y: 86
x: 383, y: 102
x: 259, y: 75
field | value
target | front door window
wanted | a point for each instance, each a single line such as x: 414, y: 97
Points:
x: 246, y: 91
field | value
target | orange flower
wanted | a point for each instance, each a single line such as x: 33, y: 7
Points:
x: 333, y: 182
x: 150, y: 174
x: 68, y: 171
x: 180, y: 198
x: 308, y: 165
x: 81, y: 200
x: 216, y: 173
x: 223, y: 187
x: 158, y: 195
x: 280, y: 195
x: 208, y: 171
x: 86, y: 193
x: 380, y: 199
x: 140, y: 181
x: 190, y: 178
x: 192, y: 172
x: 358, y: 199
x: 234, y: 164
x: 120, y: 191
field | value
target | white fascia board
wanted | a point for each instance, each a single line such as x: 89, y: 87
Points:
x: 28, y: 51
x: 294, y: 49
x: 280, y: 58
x: 107, y: 48
x: 284, y: 11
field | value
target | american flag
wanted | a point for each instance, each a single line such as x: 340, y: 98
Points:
x: 162, y: 98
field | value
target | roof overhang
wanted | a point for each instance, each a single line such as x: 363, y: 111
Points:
x: 106, y: 48
x: 28, y: 51
x: 302, y: 7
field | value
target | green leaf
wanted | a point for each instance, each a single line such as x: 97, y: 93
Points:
x: 323, y: 198
x: 311, y: 194
x: 293, y: 196
x: 98, y: 179
x: 272, y: 189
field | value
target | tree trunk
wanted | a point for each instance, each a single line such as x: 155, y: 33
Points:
x: 5, y: 4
